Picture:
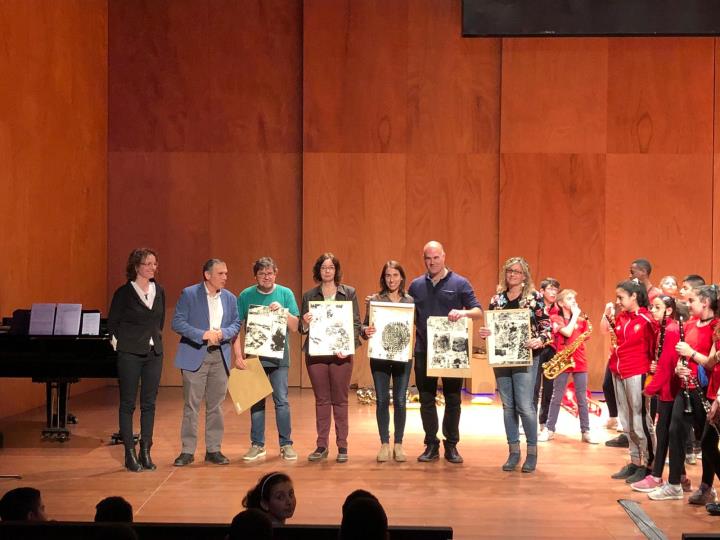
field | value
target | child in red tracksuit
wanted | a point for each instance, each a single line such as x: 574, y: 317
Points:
x: 696, y: 349
x: 663, y: 310
x: 629, y: 362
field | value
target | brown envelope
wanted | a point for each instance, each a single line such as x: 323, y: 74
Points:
x: 248, y: 386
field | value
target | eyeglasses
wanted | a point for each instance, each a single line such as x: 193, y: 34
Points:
x: 514, y: 272
x: 265, y: 274
x: 327, y: 268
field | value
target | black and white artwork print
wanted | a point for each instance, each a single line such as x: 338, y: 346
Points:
x: 510, y: 331
x: 394, y: 329
x: 266, y: 331
x: 448, y: 343
x: 331, y: 328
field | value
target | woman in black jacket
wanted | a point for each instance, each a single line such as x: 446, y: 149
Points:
x: 136, y: 318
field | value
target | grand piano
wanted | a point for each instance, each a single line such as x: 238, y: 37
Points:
x: 57, y: 362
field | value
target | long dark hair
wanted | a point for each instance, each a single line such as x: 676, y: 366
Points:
x: 631, y: 286
x: 263, y: 488
x: 397, y: 266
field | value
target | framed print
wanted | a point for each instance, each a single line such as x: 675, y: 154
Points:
x: 331, y: 328
x: 510, y: 329
x: 266, y: 331
x: 394, y: 331
x: 449, y: 347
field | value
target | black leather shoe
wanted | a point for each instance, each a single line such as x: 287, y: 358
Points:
x: 217, y: 458
x: 131, y: 460
x: 431, y: 453
x: 184, y: 459
x: 145, y: 459
x: 621, y: 441
x: 452, y: 455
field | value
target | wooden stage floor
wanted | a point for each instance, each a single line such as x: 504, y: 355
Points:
x: 571, y: 494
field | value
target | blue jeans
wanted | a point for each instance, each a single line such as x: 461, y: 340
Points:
x: 516, y: 386
x: 382, y: 371
x: 279, y: 381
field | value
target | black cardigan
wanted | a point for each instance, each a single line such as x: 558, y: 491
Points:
x: 133, y: 324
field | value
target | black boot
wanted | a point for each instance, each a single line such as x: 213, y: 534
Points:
x: 145, y: 459
x: 131, y: 459
x: 431, y: 453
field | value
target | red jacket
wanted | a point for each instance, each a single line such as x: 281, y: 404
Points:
x: 714, y: 384
x: 700, y: 338
x: 661, y: 383
x: 636, y: 344
x: 561, y: 342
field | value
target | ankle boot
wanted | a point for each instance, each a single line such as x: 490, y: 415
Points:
x: 513, y: 458
x: 131, y: 459
x: 145, y: 459
x: 530, y: 460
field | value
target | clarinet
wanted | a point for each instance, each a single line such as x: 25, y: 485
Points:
x: 687, y: 402
x: 658, y: 351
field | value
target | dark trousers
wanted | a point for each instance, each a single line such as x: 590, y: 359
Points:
x: 662, y: 431
x: 545, y: 354
x: 427, y: 387
x: 134, y: 370
x: 678, y: 433
x: 330, y: 378
x: 710, y: 455
x: 609, y: 392
x: 382, y: 372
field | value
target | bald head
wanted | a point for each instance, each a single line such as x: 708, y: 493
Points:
x: 434, y: 257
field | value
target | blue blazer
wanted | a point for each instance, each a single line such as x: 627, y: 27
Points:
x: 192, y: 320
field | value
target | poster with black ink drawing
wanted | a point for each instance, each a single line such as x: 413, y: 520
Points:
x: 266, y: 331
x: 394, y: 331
x: 510, y: 329
x: 449, y: 347
x: 331, y: 328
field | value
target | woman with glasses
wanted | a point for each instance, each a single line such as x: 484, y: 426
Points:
x: 329, y: 375
x: 516, y: 290
x: 136, y: 318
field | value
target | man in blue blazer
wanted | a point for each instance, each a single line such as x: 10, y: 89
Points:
x: 206, y: 317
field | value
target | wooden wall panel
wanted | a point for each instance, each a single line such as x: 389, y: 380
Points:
x: 254, y: 217
x: 53, y: 103
x: 562, y: 236
x: 204, y: 137
x: 659, y: 207
x: 355, y: 76
x: 554, y: 95
x: 355, y: 206
x: 158, y: 75
x: 453, y: 83
x: 660, y: 95
x: 254, y: 106
x: 716, y: 162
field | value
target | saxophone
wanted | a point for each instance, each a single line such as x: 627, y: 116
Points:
x: 564, y: 360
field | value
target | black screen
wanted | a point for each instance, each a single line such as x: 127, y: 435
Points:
x: 590, y: 18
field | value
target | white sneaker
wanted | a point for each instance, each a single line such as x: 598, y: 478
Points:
x: 589, y: 438
x: 666, y: 492
x: 254, y: 453
x: 546, y: 435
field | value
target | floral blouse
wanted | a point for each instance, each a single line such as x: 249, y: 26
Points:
x: 540, y: 323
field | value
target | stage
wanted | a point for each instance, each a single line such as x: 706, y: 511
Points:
x: 571, y: 494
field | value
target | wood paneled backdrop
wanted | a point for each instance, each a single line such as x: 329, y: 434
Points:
x: 238, y: 129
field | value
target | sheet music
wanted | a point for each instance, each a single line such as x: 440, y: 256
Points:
x: 67, y: 319
x: 90, y: 324
x: 42, y: 319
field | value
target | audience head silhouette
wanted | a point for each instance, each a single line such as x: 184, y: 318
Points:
x: 251, y: 523
x: 114, y: 509
x: 363, y: 518
x: 22, y: 504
